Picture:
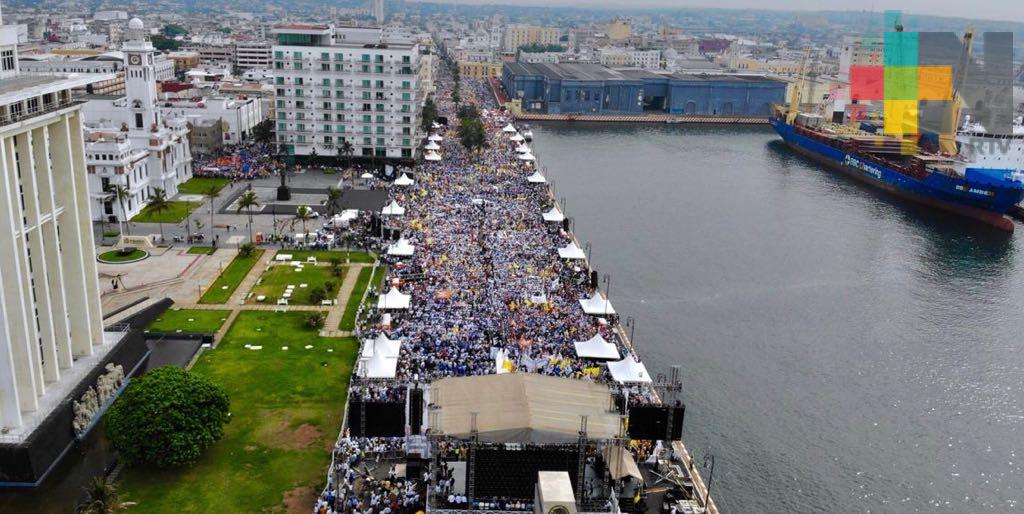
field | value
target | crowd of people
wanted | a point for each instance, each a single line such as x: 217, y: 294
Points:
x: 353, y: 488
x: 239, y: 162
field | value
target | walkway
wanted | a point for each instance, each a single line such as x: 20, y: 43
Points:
x: 238, y: 297
x: 337, y: 312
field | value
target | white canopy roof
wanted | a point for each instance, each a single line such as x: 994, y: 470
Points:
x: 554, y: 215
x: 597, y: 305
x: 380, y: 366
x: 629, y: 370
x: 508, y: 128
x: 596, y: 348
x: 431, y: 156
x: 403, y: 248
x: 522, y: 148
x: 536, y: 178
x: 516, y: 138
x: 432, y: 146
x: 404, y: 180
x: 394, y: 299
x: 366, y: 175
x: 393, y: 209
x: 435, y: 137
x: 571, y: 251
x: 381, y: 344
x: 527, y: 157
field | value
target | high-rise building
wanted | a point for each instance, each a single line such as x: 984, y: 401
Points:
x: 51, y: 324
x: 619, y: 29
x: 346, y: 84
x: 516, y: 36
x: 377, y: 6
x: 252, y: 55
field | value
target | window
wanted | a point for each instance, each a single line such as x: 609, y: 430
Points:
x: 298, y: 65
x: 300, y: 138
x: 278, y: 54
x: 327, y: 139
x: 327, y: 128
x: 366, y: 118
x: 380, y: 118
x: 326, y: 82
x: 282, y: 126
x: 281, y: 115
x: 405, y: 84
x: 298, y: 81
x: 279, y: 80
x: 405, y: 142
x: 378, y: 69
x: 297, y: 55
x: 406, y: 59
x: 301, y: 127
x: 325, y: 56
x: 280, y: 104
x: 138, y: 120
x: 366, y: 130
x: 339, y: 105
x: 406, y: 97
x: 327, y: 93
x: 365, y: 58
x: 366, y: 83
x: 339, y: 82
x: 340, y: 128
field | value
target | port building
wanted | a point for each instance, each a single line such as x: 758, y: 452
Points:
x: 586, y: 88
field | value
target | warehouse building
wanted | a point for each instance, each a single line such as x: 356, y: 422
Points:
x: 585, y: 88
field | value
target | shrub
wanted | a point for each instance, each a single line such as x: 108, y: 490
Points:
x: 336, y: 269
x: 246, y: 250
x: 167, y: 418
x: 317, y: 294
x: 331, y: 287
x: 316, y: 320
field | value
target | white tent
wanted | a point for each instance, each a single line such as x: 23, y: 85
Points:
x: 571, y: 251
x: 597, y: 305
x: 522, y: 148
x: 596, y: 348
x: 393, y: 209
x: 431, y: 156
x: 432, y: 146
x: 629, y: 370
x: 389, y: 347
x: 366, y: 176
x: 527, y: 157
x: 404, y: 180
x: 436, y: 138
x: 516, y: 138
x: 380, y: 366
x: 554, y: 215
x: 435, y: 125
x: 403, y: 248
x: 536, y: 178
x: 394, y: 299
x: 509, y: 128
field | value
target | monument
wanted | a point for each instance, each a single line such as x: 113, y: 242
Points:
x: 283, y: 193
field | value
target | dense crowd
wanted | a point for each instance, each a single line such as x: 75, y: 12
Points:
x: 239, y: 162
x: 353, y: 489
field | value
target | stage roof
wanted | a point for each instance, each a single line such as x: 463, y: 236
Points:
x: 521, y: 408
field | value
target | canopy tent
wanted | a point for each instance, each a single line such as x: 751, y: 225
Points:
x: 435, y: 125
x: 404, y: 180
x: 528, y: 156
x: 620, y: 463
x: 366, y: 175
x: 431, y: 156
x: 522, y: 148
x: 380, y: 366
x: 554, y: 215
x: 536, y: 178
x: 394, y: 299
x: 393, y: 209
x: 516, y: 138
x: 596, y: 348
x: 436, y: 138
x: 432, y: 146
x: 571, y: 251
x: 381, y: 344
x: 522, y: 408
x: 402, y: 248
x: 508, y: 128
x: 629, y: 370
x: 597, y: 305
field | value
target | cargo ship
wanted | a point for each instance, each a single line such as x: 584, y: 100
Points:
x: 972, y: 172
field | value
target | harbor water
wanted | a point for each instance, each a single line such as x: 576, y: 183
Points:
x: 840, y: 350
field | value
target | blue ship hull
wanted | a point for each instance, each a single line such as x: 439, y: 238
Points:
x: 984, y: 198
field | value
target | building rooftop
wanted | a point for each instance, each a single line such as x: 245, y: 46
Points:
x: 597, y: 72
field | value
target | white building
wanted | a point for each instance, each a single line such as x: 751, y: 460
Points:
x: 110, y: 15
x: 252, y: 55
x: 139, y: 120
x: 377, y: 7
x: 51, y: 323
x: 350, y: 84
x: 240, y: 115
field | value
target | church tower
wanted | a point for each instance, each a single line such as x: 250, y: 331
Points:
x: 140, y: 77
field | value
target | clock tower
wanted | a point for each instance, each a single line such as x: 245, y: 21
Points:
x: 140, y: 77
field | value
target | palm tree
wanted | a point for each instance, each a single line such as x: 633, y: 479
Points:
x: 346, y: 149
x: 304, y: 213
x: 158, y: 204
x: 333, y: 204
x: 101, y: 497
x: 247, y: 201
x: 212, y: 193
x: 122, y: 194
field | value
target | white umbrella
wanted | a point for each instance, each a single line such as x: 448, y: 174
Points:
x: 404, y: 180
x: 536, y: 178
x: 432, y: 156
x: 522, y: 148
x: 435, y: 137
x: 509, y: 128
x: 432, y: 146
x: 516, y: 138
x: 527, y: 157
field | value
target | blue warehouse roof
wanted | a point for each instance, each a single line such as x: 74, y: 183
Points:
x: 597, y: 72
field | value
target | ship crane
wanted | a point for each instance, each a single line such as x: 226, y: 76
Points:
x: 947, y: 139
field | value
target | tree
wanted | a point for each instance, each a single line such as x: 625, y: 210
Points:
x: 304, y: 213
x: 171, y: 30
x: 456, y: 97
x: 316, y: 320
x: 121, y: 193
x: 211, y: 194
x: 472, y: 133
x: 346, y: 149
x: 429, y: 114
x: 333, y: 203
x: 167, y: 418
x: 101, y: 497
x: 165, y: 44
x: 263, y: 132
x: 158, y: 204
x: 539, y: 48
x: 247, y: 201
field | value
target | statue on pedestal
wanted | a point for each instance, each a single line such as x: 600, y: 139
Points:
x: 283, y: 192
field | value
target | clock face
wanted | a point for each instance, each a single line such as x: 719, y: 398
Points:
x: 134, y: 59
x: 558, y: 509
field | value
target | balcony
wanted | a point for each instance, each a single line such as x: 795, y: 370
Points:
x: 32, y: 113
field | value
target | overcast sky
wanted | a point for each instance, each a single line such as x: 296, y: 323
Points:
x: 1005, y: 10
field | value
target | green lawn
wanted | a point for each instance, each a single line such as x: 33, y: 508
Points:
x: 274, y: 281
x: 286, y: 410
x: 177, y: 212
x: 327, y: 255
x: 348, y: 319
x: 200, y: 185
x: 202, y: 250
x: 117, y: 256
x: 230, y: 277
x: 189, y: 320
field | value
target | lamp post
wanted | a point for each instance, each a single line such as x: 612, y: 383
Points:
x: 588, y: 248
x: 607, y: 292
x: 709, y: 458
